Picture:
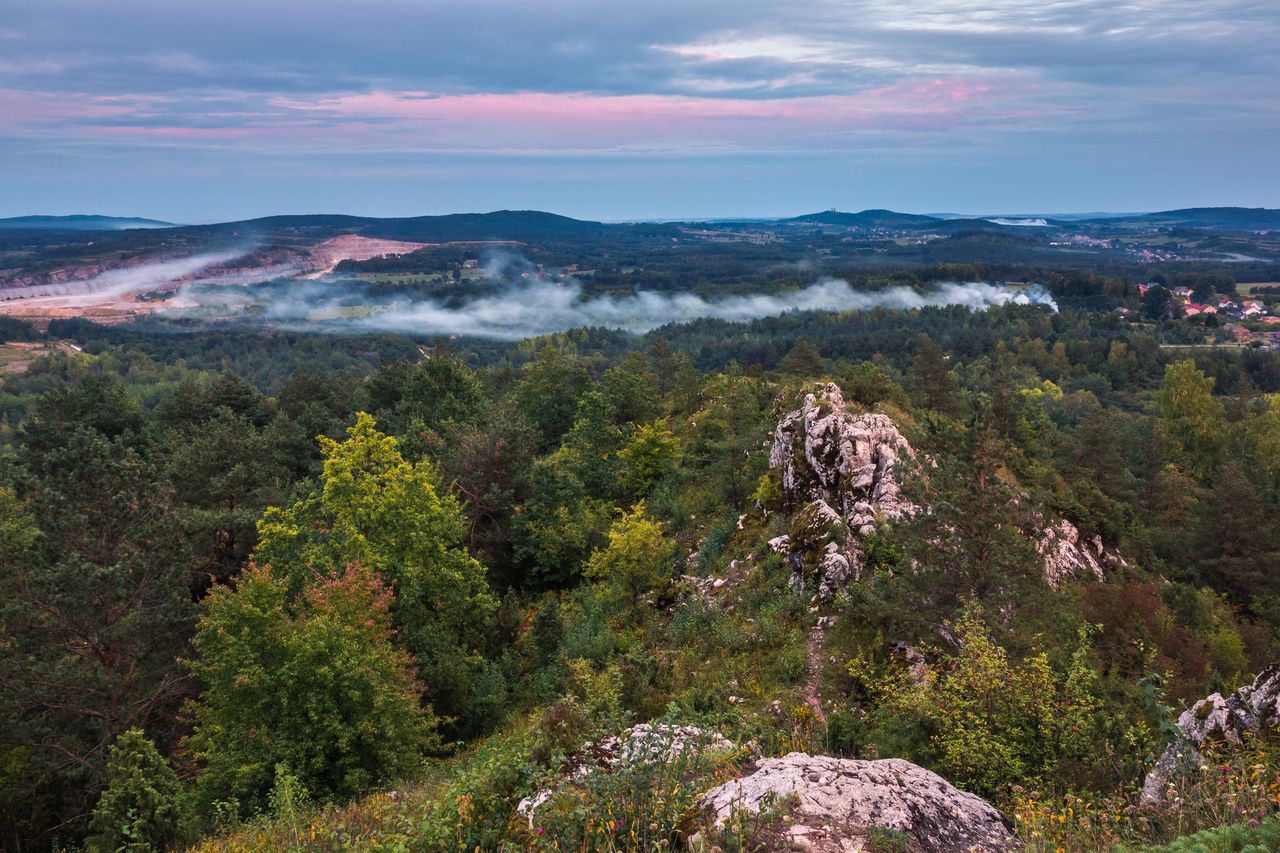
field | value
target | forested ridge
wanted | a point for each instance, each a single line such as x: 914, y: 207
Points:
x: 270, y: 590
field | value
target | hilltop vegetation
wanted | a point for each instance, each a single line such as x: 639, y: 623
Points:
x: 273, y: 591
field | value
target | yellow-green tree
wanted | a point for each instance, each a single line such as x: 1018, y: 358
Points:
x: 1192, y: 416
x: 374, y: 509
x: 640, y: 557
x: 652, y: 452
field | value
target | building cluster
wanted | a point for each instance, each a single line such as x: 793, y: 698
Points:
x: 1264, y: 325
x: 1221, y: 304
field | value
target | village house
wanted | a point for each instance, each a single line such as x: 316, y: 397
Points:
x: 1240, y: 333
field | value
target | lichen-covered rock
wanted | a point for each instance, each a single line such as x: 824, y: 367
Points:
x: 839, y: 467
x: 646, y: 743
x: 1250, y: 710
x: 835, y: 569
x: 835, y: 802
x: 837, y: 473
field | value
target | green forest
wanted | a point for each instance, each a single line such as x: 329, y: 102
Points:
x: 266, y: 590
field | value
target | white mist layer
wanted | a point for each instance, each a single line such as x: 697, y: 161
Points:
x: 542, y: 307
x: 125, y: 280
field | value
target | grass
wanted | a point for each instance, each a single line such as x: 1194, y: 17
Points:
x: 1238, y: 838
x: 1236, y: 786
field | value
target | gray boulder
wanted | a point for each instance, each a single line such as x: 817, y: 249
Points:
x: 1250, y: 710
x: 833, y: 803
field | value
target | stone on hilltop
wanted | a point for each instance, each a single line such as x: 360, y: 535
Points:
x: 833, y: 804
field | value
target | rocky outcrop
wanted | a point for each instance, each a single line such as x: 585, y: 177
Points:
x: 837, y: 473
x: 645, y: 743
x: 838, y: 469
x: 1067, y: 554
x: 835, y: 802
x: 826, y: 453
x: 1250, y: 710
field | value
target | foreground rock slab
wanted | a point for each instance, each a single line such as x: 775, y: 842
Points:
x: 834, y: 803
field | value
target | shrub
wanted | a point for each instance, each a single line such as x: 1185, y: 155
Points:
x: 639, y: 558
x: 142, y: 807
x: 317, y: 687
x: 995, y: 721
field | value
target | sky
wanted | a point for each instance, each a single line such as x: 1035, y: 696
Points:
x: 614, y: 110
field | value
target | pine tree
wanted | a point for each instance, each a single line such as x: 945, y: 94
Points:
x: 931, y: 381
x: 802, y: 360
x: 143, y: 807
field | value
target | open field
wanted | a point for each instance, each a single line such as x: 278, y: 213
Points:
x: 17, y: 356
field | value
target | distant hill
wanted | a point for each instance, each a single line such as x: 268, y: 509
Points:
x: 960, y: 226
x: 864, y: 219
x: 79, y: 222
x: 1228, y: 218
x: 497, y: 225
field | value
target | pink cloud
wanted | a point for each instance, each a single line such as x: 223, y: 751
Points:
x: 541, y: 122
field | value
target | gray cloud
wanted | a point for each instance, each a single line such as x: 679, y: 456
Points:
x: 1123, y: 94
x: 562, y: 45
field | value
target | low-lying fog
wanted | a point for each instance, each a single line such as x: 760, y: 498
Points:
x: 526, y: 308
x: 513, y: 301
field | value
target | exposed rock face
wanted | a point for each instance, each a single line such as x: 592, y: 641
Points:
x: 827, y: 453
x: 836, y: 801
x: 839, y: 467
x: 642, y: 744
x: 1249, y: 710
x: 1067, y: 554
x: 326, y: 255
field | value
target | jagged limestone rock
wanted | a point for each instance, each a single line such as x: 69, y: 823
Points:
x: 839, y: 467
x: 837, y: 471
x: 835, y: 802
x: 1252, y: 709
x: 827, y: 453
x: 1067, y: 554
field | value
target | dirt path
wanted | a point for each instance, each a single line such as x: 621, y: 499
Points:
x: 816, y: 663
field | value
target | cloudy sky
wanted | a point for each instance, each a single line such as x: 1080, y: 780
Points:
x: 615, y: 109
